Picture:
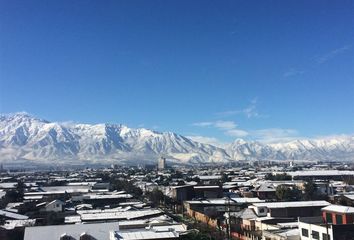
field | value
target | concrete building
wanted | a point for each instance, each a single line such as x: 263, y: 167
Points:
x: 314, y: 229
x: 336, y: 223
x: 161, y: 164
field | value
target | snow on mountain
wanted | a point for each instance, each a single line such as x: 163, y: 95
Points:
x: 25, y: 137
x: 335, y: 148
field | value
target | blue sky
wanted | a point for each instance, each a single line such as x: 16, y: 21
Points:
x: 218, y: 70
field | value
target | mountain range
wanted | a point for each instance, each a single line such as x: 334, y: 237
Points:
x: 24, y: 137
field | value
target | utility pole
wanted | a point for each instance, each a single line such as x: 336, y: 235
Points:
x: 229, y: 218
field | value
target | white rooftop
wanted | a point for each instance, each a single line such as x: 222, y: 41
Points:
x: 106, y: 196
x: 120, y: 215
x: 214, y: 177
x: 13, y: 215
x: 96, y: 230
x: 206, y: 187
x: 292, y: 204
x: 321, y: 173
x: 144, y: 234
x: 338, y: 209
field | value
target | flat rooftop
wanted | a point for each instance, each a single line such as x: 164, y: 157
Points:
x: 225, y: 201
x: 338, y: 209
x: 97, y: 230
x: 321, y: 173
x: 292, y: 204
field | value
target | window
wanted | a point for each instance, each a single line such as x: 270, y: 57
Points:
x: 304, y: 232
x: 325, y: 236
x: 315, y: 235
x: 339, y: 219
x: 261, y: 210
x: 329, y: 217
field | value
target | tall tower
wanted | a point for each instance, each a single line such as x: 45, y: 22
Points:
x: 161, y: 164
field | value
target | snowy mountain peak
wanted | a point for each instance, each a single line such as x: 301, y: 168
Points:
x: 23, y: 136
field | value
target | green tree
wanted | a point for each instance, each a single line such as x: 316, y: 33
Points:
x: 156, y: 196
x: 285, y: 193
x: 310, y: 190
x: 277, y: 177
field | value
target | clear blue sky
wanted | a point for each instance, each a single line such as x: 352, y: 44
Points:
x: 220, y: 69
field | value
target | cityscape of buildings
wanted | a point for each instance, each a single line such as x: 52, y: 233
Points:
x: 247, y: 200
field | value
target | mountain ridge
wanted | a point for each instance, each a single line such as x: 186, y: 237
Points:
x: 23, y: 136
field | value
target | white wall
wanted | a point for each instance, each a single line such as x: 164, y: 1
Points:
x: 311, y: 227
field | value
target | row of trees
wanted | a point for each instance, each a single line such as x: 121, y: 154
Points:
x: 127, y: 186
x: 277, y: 177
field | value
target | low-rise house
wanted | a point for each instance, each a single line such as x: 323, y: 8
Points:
x: 289, y: 209
x: 338, y: 214
x: 265, y: 191
x: 210, y: 210
x: 220, y: 204
x: 156, y: 228
x: 314, y: 228
x: 99, y: 231
x: 53, y: 206
x: 208, y: 191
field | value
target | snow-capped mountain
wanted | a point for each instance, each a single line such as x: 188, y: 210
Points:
x: 335, y: 148
x: 24, y: 137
